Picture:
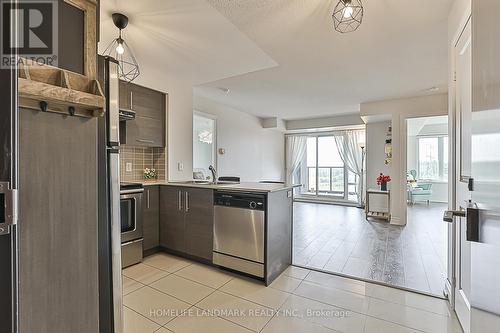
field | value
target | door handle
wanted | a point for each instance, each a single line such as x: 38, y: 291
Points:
x: 148, y: 198
x: 179, y: 200
x: 449, y: 215
x: 187, y: 201
x: 145, y: 141
x: 131, y: 100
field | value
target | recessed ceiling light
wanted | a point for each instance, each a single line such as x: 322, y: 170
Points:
x: 432, y: 89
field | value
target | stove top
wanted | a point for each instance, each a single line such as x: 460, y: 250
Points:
x: 130, y: 186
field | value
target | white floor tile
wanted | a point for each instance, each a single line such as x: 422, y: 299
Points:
x: 183, y: 289
x: 155, y: 305
x: 130, y: 285
x: 296, y: 272
x: 281, y: 324
x: 197, y: 322
x: 335, y: 297
x: 144, y: 273
x: 285, y: 283
x: 326, y: 315
x: 135, y: 323
x: 166, y: 262
x: 334, y: 281
x: 242, y: 312
x: 255, y: 291
x: 209, y: 276
x: 374, y: 325
x: 409, y: 317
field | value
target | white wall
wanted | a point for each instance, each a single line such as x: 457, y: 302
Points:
x: 314, y: 123
x: 252, y: 152
x: 375, y: 152
x: 400, y: 110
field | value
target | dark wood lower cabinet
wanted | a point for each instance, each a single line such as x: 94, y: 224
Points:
x: 186, y: 221
x: 198, y: 221
x: 151, y: 218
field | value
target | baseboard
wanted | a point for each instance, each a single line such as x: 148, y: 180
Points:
x: 396, y: 221
x: 149, y: 252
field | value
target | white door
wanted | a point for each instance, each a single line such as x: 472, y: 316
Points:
x: 463, y: 63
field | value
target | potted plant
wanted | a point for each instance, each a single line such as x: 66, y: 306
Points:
x: 382, y: 180
x: 150, y: 174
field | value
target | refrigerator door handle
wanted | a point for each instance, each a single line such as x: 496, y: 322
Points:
x: 116, y: 258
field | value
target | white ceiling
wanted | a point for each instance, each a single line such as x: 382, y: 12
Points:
x: 282, y: 58
x: 184, y: 39
x: 400, y: 50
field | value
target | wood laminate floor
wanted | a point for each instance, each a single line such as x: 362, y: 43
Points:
x: 339, y: 239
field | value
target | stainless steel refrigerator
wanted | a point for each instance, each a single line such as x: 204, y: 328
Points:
x: 60, y: 264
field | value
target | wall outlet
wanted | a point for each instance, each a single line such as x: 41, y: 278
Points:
x: 128, y: 167
x: 180, y: 166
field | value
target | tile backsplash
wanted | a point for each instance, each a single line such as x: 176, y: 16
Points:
x: 141, y: 158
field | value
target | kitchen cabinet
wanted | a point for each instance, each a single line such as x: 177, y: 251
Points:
x: 186, y: 220
x: 148, y: 128
x: 151, y: 219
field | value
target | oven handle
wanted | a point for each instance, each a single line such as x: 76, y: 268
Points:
x: 132, y: 191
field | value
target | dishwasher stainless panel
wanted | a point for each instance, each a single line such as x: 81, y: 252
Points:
x: 239, y: 232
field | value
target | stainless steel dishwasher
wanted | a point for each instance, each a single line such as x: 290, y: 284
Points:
x: 239, y: 231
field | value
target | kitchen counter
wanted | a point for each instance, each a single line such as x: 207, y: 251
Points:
x: 241, y: 187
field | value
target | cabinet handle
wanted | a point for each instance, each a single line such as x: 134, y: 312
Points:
x: 179, y: 200
x: 145, y: 141
x: 131, y: 101
x: 187, y: 201
x: 148, y: 198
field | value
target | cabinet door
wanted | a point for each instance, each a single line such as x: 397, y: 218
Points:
x: 124, y: 101
x: 172, y: 229
x: 199, y: 217
x: 145, y: 132
x: 151, y: 217
x: 147, y: 102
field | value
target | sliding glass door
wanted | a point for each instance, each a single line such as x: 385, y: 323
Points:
x: 326, y: 174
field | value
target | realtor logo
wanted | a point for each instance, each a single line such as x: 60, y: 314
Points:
x: 29, y: 28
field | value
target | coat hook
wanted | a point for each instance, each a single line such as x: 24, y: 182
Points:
x: 71, y: 110
x: 44, y: 106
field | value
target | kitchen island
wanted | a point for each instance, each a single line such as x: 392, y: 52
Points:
x: 244, y: 227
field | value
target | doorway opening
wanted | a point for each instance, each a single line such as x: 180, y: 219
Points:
x: 427, y: 165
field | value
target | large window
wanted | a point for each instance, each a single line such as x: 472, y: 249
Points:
x: 433, y: 158
x: 326, y: 174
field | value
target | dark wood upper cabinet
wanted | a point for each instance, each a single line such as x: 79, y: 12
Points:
x: 148, y: 128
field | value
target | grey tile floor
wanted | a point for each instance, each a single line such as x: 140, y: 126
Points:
x: 339, y: 239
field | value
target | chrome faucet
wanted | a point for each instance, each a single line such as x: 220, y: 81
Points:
x: 214, y: 174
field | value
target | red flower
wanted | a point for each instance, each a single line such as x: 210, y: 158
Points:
x: 383, y: 179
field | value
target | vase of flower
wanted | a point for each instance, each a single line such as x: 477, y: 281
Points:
x: 382, y: 180
x: 150, y: 174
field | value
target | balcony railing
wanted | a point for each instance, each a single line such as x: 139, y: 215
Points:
x: 330, y: 180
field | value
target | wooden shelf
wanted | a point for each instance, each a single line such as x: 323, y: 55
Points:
x: 51, y: 89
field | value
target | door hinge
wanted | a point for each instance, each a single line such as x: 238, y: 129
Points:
x: 8, y: 207
x: 455, y: 76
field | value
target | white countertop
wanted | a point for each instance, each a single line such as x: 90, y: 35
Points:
x: 242, y: 187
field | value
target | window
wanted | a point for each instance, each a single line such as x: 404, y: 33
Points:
x: 433, y: 158
x: 204, y: 155
x: 325, y: 172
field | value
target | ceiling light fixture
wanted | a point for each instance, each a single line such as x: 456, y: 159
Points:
x: 118, y: 49
x: 348, y: 15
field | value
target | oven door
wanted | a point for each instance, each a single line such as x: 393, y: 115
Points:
x: 130, y: 214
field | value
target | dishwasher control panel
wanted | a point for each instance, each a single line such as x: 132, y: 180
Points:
x: 240, y: 200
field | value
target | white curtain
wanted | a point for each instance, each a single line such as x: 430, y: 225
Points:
x: 348, y: 144
x: 295, y: 150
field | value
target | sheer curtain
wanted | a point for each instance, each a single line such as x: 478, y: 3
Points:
x: 348, y: 144
x: 295, y: 150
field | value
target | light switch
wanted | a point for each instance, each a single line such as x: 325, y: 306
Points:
x: 180, y: 166
x: 128, y: 167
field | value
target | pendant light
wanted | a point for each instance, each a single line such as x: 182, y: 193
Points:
x: 348, y: 15
x: 118, y: 49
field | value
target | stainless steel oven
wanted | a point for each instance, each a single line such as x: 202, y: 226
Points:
x: 131, y: 223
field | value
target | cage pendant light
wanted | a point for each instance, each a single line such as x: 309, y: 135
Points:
x: 348, y: 15
x: 128, y: 68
